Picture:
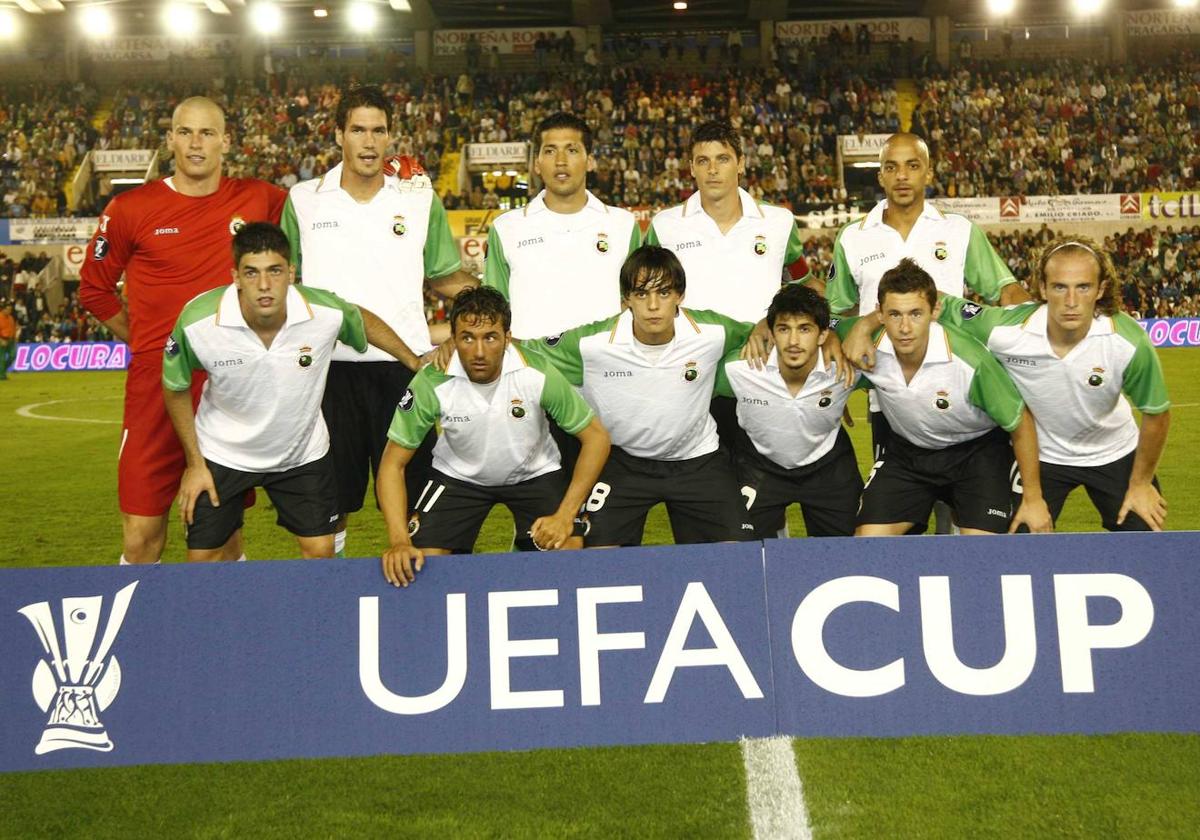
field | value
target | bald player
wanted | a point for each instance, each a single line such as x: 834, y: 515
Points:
x: 949, y: 247
x: 170, y: 240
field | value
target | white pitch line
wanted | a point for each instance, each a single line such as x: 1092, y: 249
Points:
x: 773, y: 790
x: 29, y: 411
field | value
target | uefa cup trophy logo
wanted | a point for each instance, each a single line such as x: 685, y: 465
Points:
x: 82, y: 684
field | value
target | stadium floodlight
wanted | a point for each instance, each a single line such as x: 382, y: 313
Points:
x: 52, y: 6
x: 361, y: 16
x: 320, y: 12
x: 1001, y: 8
x: 30, y: 6
x: 266, y: 17
x: 1088, y: 7
x: 679, y: 6
x: 400, y: 5
x: 96, y: 22
x: 180, y: 19
x: 217, y: 7
x: 10, y: 26
x: 1185, y: 4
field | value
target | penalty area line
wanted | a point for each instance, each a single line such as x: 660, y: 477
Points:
x: 30, y: 411
x: 774, y: 792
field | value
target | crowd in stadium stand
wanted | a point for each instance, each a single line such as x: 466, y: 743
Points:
x: 1067, y: 127
x: 32, y: 311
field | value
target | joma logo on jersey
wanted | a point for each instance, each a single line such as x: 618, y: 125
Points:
x: 165, y: 231
x: 1017, y: 360
x: 533, y: 240
x: 611, y: 374
x: 754, y: 401
x: 456, y: 418
x: 324, y: 225
x: 683, y: 246
x: 228, y: 363
x: 865, y: 260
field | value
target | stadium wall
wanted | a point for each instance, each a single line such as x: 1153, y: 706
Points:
x: 809, y: 637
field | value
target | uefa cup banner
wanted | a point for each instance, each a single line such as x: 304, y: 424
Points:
x: 223, y: 662
x: 77, y: 355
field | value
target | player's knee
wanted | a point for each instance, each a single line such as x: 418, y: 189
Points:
x: 144, y: 538
x: 312, y: 548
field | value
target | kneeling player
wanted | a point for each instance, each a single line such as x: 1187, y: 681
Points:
x: 495, y: 445
x: 949, y: 404
x: 265, y: 345
x: 650, y: 372
x: 794, y: 448
x: 1071, y: 366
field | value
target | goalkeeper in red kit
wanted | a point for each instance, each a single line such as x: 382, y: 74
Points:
x: 171, y: 241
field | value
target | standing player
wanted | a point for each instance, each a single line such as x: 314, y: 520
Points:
x: 949, y: 404
x: 491, y: 404
x: 794, y: 448
x: 170, y: 239
x: 1072, y: 354
x: 949, y: 247
x: 557, y: 259
x: 649, y: 373
x: 373, y: 239
x: 266, y: 346
x: 733, y: 248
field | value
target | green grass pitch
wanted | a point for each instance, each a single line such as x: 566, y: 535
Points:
x: 59, y: 507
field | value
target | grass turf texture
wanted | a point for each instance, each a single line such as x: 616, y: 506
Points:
x: 60, y: 508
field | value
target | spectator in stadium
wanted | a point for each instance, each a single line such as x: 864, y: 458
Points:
x: 166, y: 261
x: 259, y: 422
x: 481, y: 397
x: 793, y: 449
x: 650, y: 372
x: 1072, y: 368
x: 8, y: 338
x: 374, y: 239
x: 948, y: 404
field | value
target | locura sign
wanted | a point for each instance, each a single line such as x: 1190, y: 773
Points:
x: 886, y: 637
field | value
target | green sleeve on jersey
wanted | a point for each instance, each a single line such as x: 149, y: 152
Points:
x: 353, y: 333
x: 562, y: 402
x: 841, y: 289
x: 418, y: 410
x: 991, y: 390
x: 723, y: 387
x: 178, y: 360
x: 736, y: 332
x: 977, y: 320
x: 495, y: 266
x: 291, y: 227
x: 635, y: 238
x: 984, y: 271
x: 651, y: 237
x: 562, y: 350
x: 795, y: 250
x: 441, y: 251
x: 1143, y: 382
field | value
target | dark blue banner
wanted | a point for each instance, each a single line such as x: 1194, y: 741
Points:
x: 219, y: 662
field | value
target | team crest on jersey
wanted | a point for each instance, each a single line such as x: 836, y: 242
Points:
x: 1097, y: 377
x: 942, y: 401
x: 760, y: 245
x: 552, y: 341
x: 970, y: 310
x: 305, y: 357
x: 602, y: 243
x: 939, y: 250
x: 517, y: 410
x: 406, y: 401
x: 398, y: 226
x: 826, y: 399
x: 236, y: 224
x: 100, y: 248
x: 690, y: 372
x: 172, y: 348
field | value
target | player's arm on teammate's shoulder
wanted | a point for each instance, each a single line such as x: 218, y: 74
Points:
x: 379, y: 334
x: 401, y: 560
x: 1033, y: 512
x: 857, y: 334
x: 104, y: 262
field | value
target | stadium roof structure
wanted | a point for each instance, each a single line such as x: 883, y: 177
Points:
x: 142, y: 16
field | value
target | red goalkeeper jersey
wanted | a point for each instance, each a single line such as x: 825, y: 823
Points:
x: 170, y: 247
